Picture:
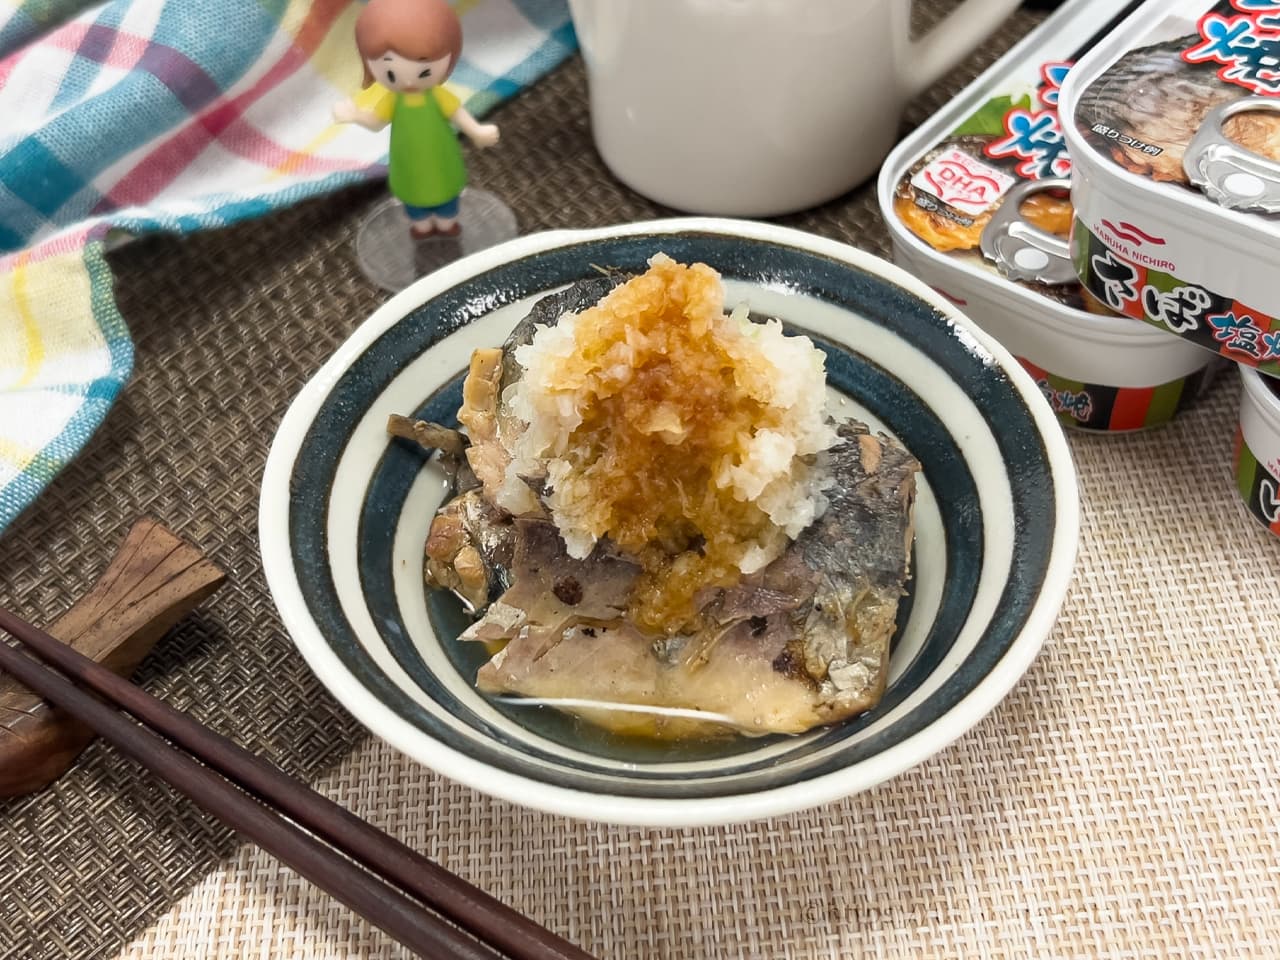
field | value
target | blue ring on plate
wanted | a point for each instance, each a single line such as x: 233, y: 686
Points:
x: 400, y: 464
x: 736, y: 258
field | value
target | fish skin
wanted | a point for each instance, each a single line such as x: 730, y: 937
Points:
x: 466, y: 528
x: 481, y: 457
x: 553, y: 587
x: 860, y: 551
x: 547, y: 312
x: 784, y: 662
x: 801, y: 643
x: 493, y: 371
x: 865, y: 528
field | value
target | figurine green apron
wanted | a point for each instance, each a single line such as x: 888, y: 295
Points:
x: 425, y: 167
x: 409, y: 48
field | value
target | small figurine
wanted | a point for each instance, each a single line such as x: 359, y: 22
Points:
x: 409, y: 48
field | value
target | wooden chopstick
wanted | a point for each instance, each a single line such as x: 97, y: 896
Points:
x: 363, y: 890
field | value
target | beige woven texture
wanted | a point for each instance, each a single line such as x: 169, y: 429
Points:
x: 1122, y: 801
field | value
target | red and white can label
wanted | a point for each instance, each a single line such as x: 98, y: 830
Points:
x: 967, y: 184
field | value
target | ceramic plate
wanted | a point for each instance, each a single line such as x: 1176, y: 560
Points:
x: 345, y: 513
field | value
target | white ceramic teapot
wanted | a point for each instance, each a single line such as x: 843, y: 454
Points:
x: 759, y: 107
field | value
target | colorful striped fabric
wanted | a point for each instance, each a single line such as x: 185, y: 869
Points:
x: 146, y: 115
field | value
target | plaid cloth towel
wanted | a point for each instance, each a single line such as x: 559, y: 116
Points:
x: 143, y: 115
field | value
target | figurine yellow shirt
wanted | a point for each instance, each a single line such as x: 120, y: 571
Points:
x: 425, y: 163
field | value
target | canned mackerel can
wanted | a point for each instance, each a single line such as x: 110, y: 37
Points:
x: 978, y: 205
x: 1173, y: 124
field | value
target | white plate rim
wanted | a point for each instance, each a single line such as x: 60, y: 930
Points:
x: 282, y: 580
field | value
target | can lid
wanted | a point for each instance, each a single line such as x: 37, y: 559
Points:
x: 1182, y: 104
x: 981, y: 191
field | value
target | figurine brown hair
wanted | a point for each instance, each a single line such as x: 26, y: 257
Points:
x: 420, y: 29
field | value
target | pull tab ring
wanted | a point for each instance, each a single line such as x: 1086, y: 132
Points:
x: 1230, y: 175
x: 1021, y: 250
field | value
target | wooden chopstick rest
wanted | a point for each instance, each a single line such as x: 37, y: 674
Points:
x: 154, y: 580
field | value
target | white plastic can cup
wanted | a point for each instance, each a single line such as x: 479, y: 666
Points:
x: 1257, y: 456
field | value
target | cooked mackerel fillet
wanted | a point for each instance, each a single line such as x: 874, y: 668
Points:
x: 801, y: 643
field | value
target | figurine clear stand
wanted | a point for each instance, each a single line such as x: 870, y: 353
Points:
x: 392, y: 258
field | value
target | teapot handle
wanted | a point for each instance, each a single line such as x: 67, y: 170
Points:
x: 951, y: 41
x: 584, y: 15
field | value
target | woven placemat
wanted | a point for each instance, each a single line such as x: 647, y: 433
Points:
x: 1122, y: 801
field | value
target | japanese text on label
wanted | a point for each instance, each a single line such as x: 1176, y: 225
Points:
x: 1266, y: 12
x: 1240, y: 333
x: 1111, y: 133
x: 1035, y: 138
x: 1178, y: 309
x: 1246, y: 45
x: 1117, y: 278
x: 1077, y: 405
x: 1052, y: 76
x: 1268, y: 503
